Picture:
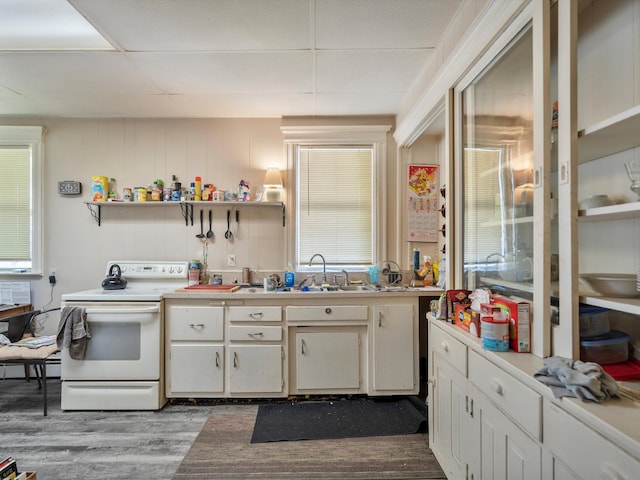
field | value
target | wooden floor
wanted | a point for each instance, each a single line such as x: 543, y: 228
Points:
x: 153, y: 445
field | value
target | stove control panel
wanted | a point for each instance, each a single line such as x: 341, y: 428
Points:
x: 150, y: 269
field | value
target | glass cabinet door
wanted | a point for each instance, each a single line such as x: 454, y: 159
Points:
x: 498, y: 173
x: 502, y: 230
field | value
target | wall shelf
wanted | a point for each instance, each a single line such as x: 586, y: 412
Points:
x: 612, y: 135
x: 185, y: 207
x: 610, y: 212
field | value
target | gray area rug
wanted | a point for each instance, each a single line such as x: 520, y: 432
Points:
x: 314, y: 420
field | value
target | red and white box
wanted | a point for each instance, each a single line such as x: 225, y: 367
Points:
x: 519, y: 322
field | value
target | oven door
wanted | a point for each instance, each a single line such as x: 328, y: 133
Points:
x: 125, y: 342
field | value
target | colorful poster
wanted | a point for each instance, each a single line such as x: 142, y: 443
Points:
x: 422, y: 207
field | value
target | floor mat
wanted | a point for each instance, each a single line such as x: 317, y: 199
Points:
x: 315, y: 420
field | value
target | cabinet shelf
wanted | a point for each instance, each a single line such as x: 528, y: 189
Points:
x: 611, y: 212
x: 612, y: 135
x: 627, y: 305
x: 185, y: 207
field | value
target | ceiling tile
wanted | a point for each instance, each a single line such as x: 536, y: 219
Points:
x: 381, y: 23
x: 368, y: 71
x: 72, y: 72
x: 241, y: 72
x: 201, y: 25
x: 357, y: 104
x: 244, y: 106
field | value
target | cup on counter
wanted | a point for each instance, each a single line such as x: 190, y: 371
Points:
x: 270, y: 284
x: 373, y: 274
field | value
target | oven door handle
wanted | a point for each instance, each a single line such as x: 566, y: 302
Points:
x: 151, y: 309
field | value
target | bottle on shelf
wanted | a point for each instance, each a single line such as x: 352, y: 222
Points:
x: 112, y: 192
x: 198, y: 189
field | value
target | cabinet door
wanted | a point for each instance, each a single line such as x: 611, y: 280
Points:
x: 196, y: 368
x: 447, y: 431
x: 327, y: 360
x: 255, y: 369
x: 394, y: 352
x: 505, y: 452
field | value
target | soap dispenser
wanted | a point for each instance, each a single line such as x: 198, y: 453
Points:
x: 289, y: 277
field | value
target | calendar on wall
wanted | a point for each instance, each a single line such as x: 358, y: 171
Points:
x: 422, y: 203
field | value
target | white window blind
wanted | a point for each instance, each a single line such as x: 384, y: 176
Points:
x: 335, y: 204
x: 15, y: 207
x: 482, y: 189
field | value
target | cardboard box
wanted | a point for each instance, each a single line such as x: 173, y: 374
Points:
x: 519, y: 322
x: 455, y: 297
x: 462, y: 315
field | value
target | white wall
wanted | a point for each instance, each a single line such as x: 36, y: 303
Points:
x: 136, y: 152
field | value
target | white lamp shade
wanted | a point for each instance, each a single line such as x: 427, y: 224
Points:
x: 273, y: 178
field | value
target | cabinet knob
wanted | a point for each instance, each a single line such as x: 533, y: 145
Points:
x: 444, y: 346
x: 496, y: 387
x: 327, y: 310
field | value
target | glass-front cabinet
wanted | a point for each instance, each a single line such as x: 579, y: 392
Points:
x: 503, y: 225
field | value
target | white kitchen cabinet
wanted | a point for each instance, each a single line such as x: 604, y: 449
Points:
x: 483, y: 422
x: 256, y: 369
x: 578, y: 451
x: 256, y: 352
x: 395, y: 334
x: 196, y: 368
x: 194, y: 349
x: 328, y: 360
x: 448, y: 403
x: 505, y: 451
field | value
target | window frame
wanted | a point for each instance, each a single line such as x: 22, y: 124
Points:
x: 29, y: 136
x: 338, y: 136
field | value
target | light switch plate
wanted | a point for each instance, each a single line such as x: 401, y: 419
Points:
x: 69, y: 187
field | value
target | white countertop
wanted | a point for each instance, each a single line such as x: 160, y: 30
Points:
x: 252, y: 293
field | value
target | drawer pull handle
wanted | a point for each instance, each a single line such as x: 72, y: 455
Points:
x: 445, y: 346
x: 380, y: 319
x: 235, y: 359
x: 196, y: 325
x: 256, y: 314
x: 496, y: 387
x: 217, y: 359
x: 302, y: 345
x: 256, y: 335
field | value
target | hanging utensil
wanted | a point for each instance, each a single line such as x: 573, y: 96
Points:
x: 228, y: 233
x: 237, y: 223
x: 201, y: 234
x: 210, y: 232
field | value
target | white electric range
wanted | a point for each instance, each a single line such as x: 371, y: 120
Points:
x: 123, y: 365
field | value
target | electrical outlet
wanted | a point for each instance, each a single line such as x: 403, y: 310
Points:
x: 231, y: 260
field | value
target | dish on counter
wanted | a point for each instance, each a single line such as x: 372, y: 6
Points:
x: 612, y: 284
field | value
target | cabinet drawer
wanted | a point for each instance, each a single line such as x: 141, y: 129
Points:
x: 255, y: 314
x: 258, y: 333
x: 521, y: 403
x: 583, y: 450
x: 196, y: 323
x: 326, y: 313
x: 450, y: 349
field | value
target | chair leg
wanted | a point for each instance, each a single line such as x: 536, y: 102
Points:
x: 44, y: 385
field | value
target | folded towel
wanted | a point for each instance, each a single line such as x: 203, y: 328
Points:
x: 73, y: 331
x: 583, y: 380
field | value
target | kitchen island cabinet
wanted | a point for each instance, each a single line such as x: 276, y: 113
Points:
x: 489, y: 418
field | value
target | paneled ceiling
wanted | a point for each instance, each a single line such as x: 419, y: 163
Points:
x: 227, y: 58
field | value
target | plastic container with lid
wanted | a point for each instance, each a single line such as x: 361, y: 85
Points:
x: 605, y: 349
x: 593, y: 321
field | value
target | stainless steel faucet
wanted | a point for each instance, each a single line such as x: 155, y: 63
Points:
x: 324, y: 267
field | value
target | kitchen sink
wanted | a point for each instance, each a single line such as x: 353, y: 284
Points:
x: 357, y: 288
